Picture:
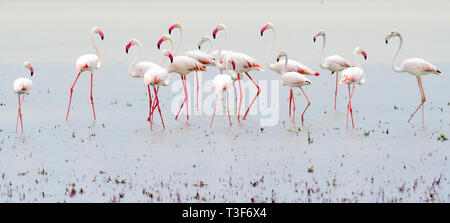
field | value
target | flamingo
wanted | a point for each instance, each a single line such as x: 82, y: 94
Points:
x: 334, y: 63
x: 220, y: 52
x: 202, y: 41
x: 182, y: 65
x: 22, y: 86
x: 292, y: 65
x: 221, y: 83
x: 352, y: 76
x: 416, y: 67
x: 156, y: 76
x: 202, y: 57
x: 88, y: 62
x: 293, y: 79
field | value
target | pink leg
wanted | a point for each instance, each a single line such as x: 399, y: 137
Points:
x: 335, y: 91
x: 228, y: 109
x: 187, y: 98
x: 184, y: 101
x: 257, y: 94
x: 240, y: 97
x: 291, y: 94
x: 159, y: 109
x: 212, y: 119
x: 71, y: 91
x: 348, y: 106
x: 309, y: 103
x: 18, y: 113
x: 293, y: 115
x: 92, y: 99
x: 196, y: 77
x: 422, y: 94
x: 351, y: 109
x: 149, y: 103
x: 235, y: 98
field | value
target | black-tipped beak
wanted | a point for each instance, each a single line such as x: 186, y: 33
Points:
x: 386, y: 42
x: 199, y: 47
x: 170, y: 31
x: 32, y: 73
x: 102, y: 37
x: 126, y: 51
x: 314, y: 39
x: 157, y: 45
x: 365, y: 57
x: 261, y: 33
x: 278, y: 60
x: 214, y: 36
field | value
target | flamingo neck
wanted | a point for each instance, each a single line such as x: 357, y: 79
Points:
x: 96, y: 50
x: 178, y: 43
x: 395, y: 68
x: 356, y: 59
x: 222, y: 44
x: 285, y: 64
x: 135, y: 60
x: 322, y: 63
x: 269, y: 52
x: 163, y: 58
x: 210, y: 46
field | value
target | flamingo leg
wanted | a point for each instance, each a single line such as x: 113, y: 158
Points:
x: 235, y: 98
x: 257, y: 94
x: 196, y: 78
x: 149, y: 103
x: 21, y: 123
x: 293, y: 116
x: 92, y: 99
x: 240, y: 97
x: 335, y: 91
x: 159, y: 108
x: 212, y: 119
x: 348, y: 106
x: 154, y: 105
x: 309, y: 103
x: 228, y: 108
x: 184, y: 101
x: 351, y: 109
x: 186, y: 98
x: 71, y: 91
x: 291, y: 94
x: 422, y: 94
x: 18, y: 112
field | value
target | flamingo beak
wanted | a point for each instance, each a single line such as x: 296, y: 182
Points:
x: 234, y: 65
x: 128, y: 47
x: 31, y: 70
x: 278, y: 59
x: 199, y: 47
x: 159, y: 42
x: 215, y: 33
x: 314, y: 38
x: 364, y: 54
x: 263, y: 29
x: 387, y: 38
x: 171, y: 58
x: 171, y: 28
x: 101, y: 34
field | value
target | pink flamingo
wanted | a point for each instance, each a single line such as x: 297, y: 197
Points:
x: 88, y: 62
x: 352, y: 76
x: 293, y: 79
x: 334, y: 63
x: 156, y: 76
x: 416, y: 67
x: 292, y: 65
x: 221, y: 83
x: 22, y: 86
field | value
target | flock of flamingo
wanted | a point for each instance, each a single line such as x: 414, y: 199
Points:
x: 232, y: 66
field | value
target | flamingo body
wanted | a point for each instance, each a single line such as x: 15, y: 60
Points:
x: 22, y: 86
x: 353, y: 75
x: 183, y: 65
x: 87, y: 62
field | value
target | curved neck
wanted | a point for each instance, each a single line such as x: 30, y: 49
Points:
x: 356, y: 59
x: 285, y: 64
x: 222, y: 44
x: 210, y: 46
x: 322, y: 62
x: 395, y: 68
x: 136, y: 59
x: 175, y: 52
x: 271, y: 66
x: 96, y: 49
x: 163, y: 58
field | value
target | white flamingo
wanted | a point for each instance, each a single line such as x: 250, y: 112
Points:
x: 293, y: 79
x: 220, y: 52
x: 204, y: 40
x: 22, y: 86
x: 88, y: 62
x: 416, y: 67
x: 182, y: 65
x: 292, y: 65
x: 352, y: 76
x: 334, y: 63
x: 156, y: 76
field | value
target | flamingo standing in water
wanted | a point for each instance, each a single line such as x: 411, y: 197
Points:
x: 156, y: 76
x: 221, y: 83
x: 352, y: 76
x: 293, y: 79
x: 416, y: 67
x: 183, y: 65
x: 334, y: 63
x: 292, y: 65
x: 243, y: 64
x: 22, y: 86
x: 88, y: 62
x: 202, y: 57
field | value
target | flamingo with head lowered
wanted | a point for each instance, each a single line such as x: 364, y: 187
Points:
x: 416, y: 67
x: 156, y: 76
x: 88, y: 62
x: 22, y: 86
x: 334, y: 63
x: 292, y: 65
x: 352, y: 76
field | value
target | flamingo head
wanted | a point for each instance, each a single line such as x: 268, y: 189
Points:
x: 131, y: 43
x: 281, y: 54
x: 233, y: 64
x: 361, y: 51
x: 167, y: 53
x: 98, y: 31
x: 27, y: 65
x: 320, y: 33
x: 267, y: 26
x: 392, y: 34
x: 204, y: 39
x: 176, y: 25
x: 163, y: 38
x: 217, y: 29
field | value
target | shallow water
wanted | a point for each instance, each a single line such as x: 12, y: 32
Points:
x: 117, y: 158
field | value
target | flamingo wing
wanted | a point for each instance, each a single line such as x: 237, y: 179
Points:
x: 201, y: 57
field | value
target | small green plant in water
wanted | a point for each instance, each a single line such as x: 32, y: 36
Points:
x: 366, y: 133
x: 442, y: 138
